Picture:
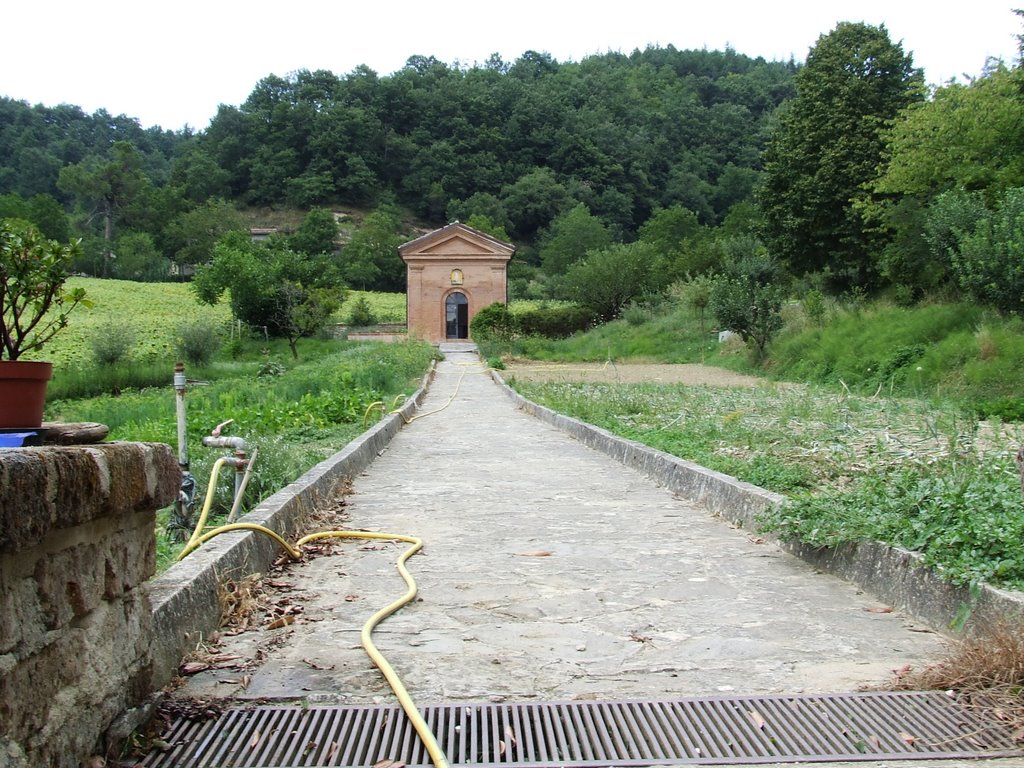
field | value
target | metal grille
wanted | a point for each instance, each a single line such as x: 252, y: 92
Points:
x: 712, y: 730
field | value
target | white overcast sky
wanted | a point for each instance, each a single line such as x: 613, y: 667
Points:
x: 172, y: 63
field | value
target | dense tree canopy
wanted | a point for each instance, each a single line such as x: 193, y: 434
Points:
x: 648, y: 167
x: 270, y: 286
x: 828, y: 145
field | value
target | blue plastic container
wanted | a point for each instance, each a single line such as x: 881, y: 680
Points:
x: 17, y: 439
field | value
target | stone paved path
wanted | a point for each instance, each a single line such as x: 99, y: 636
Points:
x: 551, y: 572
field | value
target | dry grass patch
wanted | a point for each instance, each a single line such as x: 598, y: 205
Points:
x: 987, y: 671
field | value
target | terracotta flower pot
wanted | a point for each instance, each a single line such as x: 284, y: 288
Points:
x: 23, y: 393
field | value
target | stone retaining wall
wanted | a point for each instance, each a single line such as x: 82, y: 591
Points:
x: 893, y: 575
x: 76, y: 542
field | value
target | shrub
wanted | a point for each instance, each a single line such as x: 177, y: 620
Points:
x: 814, y: 307
x: 493, y: 323
x: 555, y: 322
x: 112, y: 343
x: 635, y: 314
x: 270, y: 369
x: 198, y: 342
x: 361, y: 314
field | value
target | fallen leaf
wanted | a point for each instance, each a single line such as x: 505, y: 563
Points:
x: 876, y: 741
x: 501, y: 747
x: 351, y: 598
x: 538, y: 553
x: 284, y: 621
x: 510, y: 735
x: 880, y: 609
x: 911, y: 740
x: 333, y: 750
x: 224, y: 657
x: 314, y: 665
x: 193, y: 667
x: 255, y: 740
x: 758, y: 720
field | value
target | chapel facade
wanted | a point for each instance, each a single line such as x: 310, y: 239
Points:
x: 451, y: 274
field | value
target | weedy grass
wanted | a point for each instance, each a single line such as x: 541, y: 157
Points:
x: 295, y: 413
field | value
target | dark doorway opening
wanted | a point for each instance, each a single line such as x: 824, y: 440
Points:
x: 456, y: 314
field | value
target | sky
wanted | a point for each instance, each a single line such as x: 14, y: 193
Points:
x: 172, y: 64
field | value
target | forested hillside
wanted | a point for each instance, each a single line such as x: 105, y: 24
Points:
x: 518, y: 142
x: 749, y: 183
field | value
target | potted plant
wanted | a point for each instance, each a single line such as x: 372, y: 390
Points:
x: 34, y: 307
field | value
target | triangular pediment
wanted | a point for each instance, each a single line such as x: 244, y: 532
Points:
x: 458, y: 241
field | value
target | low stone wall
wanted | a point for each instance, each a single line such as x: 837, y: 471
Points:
x: 76, y: 542
x: 185, y: 604
x: 893, y: 575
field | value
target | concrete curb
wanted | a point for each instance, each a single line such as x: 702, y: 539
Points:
x: 184, y: 598
x: 895, y: 576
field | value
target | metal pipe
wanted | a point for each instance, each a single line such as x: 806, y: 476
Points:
x: 240, y: 490
x: 179, y: 391
x: 224, y: 441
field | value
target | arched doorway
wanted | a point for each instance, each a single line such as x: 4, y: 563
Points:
x: 456, y: 316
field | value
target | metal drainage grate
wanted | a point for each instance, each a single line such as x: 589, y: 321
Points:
x: 716, y: 730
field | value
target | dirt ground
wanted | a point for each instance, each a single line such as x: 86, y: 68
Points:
x: 629, y: 373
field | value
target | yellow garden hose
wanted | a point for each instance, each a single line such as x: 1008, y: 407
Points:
x: 198, y: 538
x: 437, y: 755
x: 436, y: 410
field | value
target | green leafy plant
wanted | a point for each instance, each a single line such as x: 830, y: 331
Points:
x: 198, y: 342
x: 33, y: 270
x: 112, y: 343
x: 361, y: 314
x: 494, y: 323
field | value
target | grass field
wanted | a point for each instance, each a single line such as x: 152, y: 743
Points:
x: 154, y: 313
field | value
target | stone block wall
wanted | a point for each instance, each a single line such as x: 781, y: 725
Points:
x: 76, y: 545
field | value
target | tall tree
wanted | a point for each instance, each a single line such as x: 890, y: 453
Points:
x: 828, y: 144
x: 569, y: 237
x: 316, y: 234
x: 104, y: 187
x: 290, y: 294
x: 370, y: 260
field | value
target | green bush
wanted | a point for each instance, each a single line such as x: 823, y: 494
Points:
x: 493, y: 323
x: 198, y: 342
x: 635, y: 314
x: 557, y: 322
x: 1009, y: 409
x: 112, y: 343
x: 361, y: 314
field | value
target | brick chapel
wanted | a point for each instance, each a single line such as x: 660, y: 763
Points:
x: 451, y: 274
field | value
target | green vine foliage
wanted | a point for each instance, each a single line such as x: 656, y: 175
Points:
x: 965, y: 518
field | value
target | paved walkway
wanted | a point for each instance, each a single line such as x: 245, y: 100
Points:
x: 551, y: 572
